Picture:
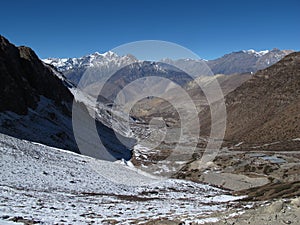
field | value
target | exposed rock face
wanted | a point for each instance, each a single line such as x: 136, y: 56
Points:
x: 35, y: 104
x: 24, y: 78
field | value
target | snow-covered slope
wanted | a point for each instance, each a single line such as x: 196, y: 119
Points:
x: 48, y: 185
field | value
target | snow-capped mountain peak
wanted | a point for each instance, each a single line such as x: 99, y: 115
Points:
x: 110, y: 54
x: 96, y: 53
x: 256, y: 53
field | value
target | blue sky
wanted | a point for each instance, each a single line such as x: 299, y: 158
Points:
x: 208, y: 28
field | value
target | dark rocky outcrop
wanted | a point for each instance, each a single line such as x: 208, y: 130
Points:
x: 24, y: 78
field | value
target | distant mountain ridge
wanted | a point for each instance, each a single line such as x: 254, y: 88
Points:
x: 103, y: 65
x: 95, y: 59
x: 246, y: 61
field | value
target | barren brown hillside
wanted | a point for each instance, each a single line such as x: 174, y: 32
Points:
x: 266, y: 108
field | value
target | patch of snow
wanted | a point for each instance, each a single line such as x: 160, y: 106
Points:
x: 238, y: 144
x: 203, y: 221
x: 267, y: 144
x: 258, y: 54
x: 7, y: 222
x: 261, y: 53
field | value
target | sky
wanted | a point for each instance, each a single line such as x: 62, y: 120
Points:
x: 61, y: 28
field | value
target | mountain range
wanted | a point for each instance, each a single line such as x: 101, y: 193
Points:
x: 248, y: 61
x: 96, y: 67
